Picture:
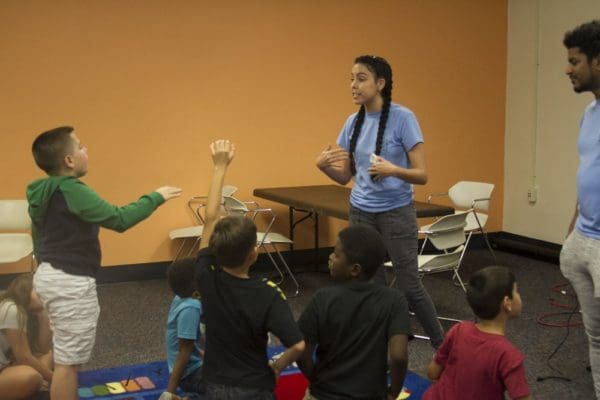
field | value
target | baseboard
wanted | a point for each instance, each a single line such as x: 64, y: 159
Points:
x: 527, y: 246
x: 298, y: 260
x: 306, y: 260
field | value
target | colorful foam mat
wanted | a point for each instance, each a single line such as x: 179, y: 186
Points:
x: 148, y: 381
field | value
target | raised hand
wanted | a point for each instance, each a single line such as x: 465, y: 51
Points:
x: 222, y: 152
x: 169, y: 192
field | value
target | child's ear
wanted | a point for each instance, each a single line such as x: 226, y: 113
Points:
x: 507, y: 304
x: 355, y: 270
x: 69, y: 162
x: 195, y: 294
x: 252, y: 255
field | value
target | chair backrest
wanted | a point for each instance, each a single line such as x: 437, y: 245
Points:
x: 14, y: 215
x: 448, y: 231
x: 463, y: 194
x: 234, y: 206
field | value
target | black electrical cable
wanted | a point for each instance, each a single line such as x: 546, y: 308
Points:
x: 568, y: 325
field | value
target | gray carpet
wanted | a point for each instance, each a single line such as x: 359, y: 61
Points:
x: 131, y: 326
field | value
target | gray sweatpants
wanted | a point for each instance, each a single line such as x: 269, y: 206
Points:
x: 580, y: 264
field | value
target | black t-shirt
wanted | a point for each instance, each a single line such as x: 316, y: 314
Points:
x: 238, y: 314
x: 351, y: 324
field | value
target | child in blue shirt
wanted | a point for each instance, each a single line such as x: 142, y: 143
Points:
x: 184, y: 357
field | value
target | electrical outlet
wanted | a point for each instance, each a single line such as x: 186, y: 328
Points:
x: 532, y: 194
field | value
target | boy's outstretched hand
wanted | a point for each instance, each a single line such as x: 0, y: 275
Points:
x: 222, y: 152
x: 169, y: 192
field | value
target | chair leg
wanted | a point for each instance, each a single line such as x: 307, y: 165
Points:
x: 274, y: 264
x: 423, y: 246
x: 180, y: 249
x: 285, y: 265
x: 460, y: 281
x: 289, y: 271
x: 33, y: 263
x: 194, y: 246
x: 485, y: 237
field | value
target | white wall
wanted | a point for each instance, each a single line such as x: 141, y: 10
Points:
x: 542, y: 117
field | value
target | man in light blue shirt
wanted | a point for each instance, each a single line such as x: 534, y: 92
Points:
x: 580, y: 255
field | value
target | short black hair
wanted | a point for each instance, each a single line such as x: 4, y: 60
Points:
x: 586, y: 37
x: 363, y: 245
x: 180, y: 275
x: 232, y: 240
x: 487, y: 288
x: 50, y: 148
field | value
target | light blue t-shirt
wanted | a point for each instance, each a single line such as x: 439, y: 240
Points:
x: 183, y: 322
x: 588, y: 174
x: 402, y: 133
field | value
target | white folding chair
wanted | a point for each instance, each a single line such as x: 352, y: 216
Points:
x: 267, y: 240
x: 447, y: 235
x: 15, y: 240
x: 473, y: 197
x: 193, y: 234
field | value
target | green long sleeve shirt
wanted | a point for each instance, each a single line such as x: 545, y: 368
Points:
x: 67, y: 215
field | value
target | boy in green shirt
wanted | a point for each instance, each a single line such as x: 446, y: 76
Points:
x: 67, y: 216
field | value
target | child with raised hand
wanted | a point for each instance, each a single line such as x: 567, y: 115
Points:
x: 476, y: 361
x: 25, y: 356
x: 183, y: 355
x: 67, y: 216
x: 355, y: 325
x: 239, y: 310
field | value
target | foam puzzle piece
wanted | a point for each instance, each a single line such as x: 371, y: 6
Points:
x: 130, y: 385
x: 145, y: 382
x: 115, y: 387
x: 100, y: 390
x: 85, y: 392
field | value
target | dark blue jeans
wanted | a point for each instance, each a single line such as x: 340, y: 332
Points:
x: 398, y: 227
x: 193, y: 385
x: 222, y: 392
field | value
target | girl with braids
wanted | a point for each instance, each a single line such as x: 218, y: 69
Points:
x: 381, y: 147
x: 25, y: 340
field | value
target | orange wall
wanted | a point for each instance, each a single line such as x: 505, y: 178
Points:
x: 148, y: 84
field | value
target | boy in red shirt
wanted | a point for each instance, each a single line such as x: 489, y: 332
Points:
x: 476, y: 361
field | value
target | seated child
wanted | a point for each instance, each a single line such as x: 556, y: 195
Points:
x: 476, y: 361
x: 183, y: 355
x: 25, y: 357
x: 354, y: 325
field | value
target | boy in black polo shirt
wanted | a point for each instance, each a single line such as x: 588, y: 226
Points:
x: 239, y: 310
x: 352, y: 324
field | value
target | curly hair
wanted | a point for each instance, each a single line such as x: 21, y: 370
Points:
x: 362, y: 244
x: 586, y: 37
x: 381, y: 69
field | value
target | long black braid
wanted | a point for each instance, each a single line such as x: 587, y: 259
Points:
x: 380, y: 69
